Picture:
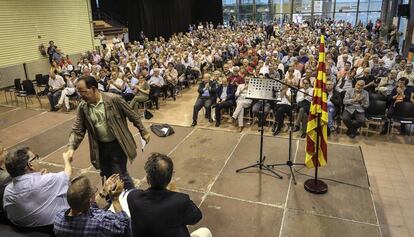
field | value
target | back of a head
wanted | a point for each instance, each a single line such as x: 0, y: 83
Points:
x: 159, y: 169
x: 16, y: 162
x: 89, y: 81
x: 79, y: 193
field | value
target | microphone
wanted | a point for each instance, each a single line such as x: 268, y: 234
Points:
x: 273, y: 92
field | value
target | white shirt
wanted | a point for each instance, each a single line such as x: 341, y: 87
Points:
x: 57, y: 83
x: 284, y: 99
x: 388, y: 62
x: 300, y: 96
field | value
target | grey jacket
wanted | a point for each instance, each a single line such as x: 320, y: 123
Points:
x: 117, y: 110
x: 360, y: 107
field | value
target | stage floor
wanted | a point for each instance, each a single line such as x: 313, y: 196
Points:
x: 249, y: 203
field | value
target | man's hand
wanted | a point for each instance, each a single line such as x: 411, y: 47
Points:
x: 69, y: 153
x: 146, y: 137
x: 110, y: 183
x: 67, y: 156
x: 118, y: 188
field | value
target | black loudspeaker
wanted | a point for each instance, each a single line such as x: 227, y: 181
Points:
x: 404, y: 10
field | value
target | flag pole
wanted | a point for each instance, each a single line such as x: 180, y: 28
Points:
x: 314, y: 185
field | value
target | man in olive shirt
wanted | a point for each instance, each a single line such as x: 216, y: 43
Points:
x: 111, y: 143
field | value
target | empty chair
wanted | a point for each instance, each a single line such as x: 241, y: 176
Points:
x: 14, y: 90
x: 376, y: 113
x: 40, y: 82
x: 375, y: 96
x: 403, y: 114
x: 28, y: 92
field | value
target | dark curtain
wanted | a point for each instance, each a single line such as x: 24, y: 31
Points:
x: 163, y: 17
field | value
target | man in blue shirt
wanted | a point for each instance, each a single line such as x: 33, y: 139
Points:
x: 33, y: 198
x: 85, y: 218
x: 130, y: 82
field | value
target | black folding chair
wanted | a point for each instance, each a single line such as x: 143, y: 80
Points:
x: 403, y: 115
x: 28, y: 92
x: 14, y: 90
x: 376, y: 113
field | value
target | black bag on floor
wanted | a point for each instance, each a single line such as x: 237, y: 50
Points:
x: 162, y: 130
x: 147, y: 114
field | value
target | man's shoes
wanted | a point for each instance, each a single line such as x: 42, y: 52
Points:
x: 303, y: 135
x: 194, y: 123
x: 217, y: 124
x: 53, y: 109
x: 210, y: 120
x: 295, y: 128
x: 352, y: 135
x: 58, y: 106
x: 241, y: 129
x: 277, y: 131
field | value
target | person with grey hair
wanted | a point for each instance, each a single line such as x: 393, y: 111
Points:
x: 356, y: 100
x: 407, y: 73
x: 387, y: 84
x: 158, y: 211
x: 33, y: 198
x: 156, y: 82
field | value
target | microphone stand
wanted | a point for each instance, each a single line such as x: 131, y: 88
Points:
x: 289, y: 162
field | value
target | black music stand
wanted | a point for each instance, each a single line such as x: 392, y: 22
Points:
x: 261, y: 89
x: 289, y: 162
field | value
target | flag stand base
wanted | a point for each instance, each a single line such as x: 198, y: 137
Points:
x: 316, y: 186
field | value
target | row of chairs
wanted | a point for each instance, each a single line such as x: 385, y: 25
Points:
x: 376, y: 113
x: 22, y: 89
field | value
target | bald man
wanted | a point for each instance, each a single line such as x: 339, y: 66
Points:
x: 356, y: 100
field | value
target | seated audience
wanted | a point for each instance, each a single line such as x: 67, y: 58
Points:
x: 356, y: 100
x: 401, y: 93
x: 56, y: 85
x: 241, y: 103
x: 34, y: 198
x: 206, y: 98
x: 142, y: 90
x: 282, y: 108
x: 156, y: 82
x: 387, y: 84
x: 68, y: 91
x: 116, y: 84
x: 158, y: 212
x: 334, y: 105
x: 5, y: 179
x: 85, y: 217
x: 130, y: 82
x: 303, y: 102
x: 226, y: 98
x: 171, y: 80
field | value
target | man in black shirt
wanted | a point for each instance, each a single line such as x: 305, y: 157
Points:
x: 158, y: 212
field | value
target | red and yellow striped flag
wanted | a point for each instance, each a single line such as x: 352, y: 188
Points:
x: 319, y: 109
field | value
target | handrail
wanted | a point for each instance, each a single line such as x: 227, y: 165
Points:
x: 112, y: 18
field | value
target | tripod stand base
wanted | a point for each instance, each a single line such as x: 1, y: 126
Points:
x: 316, y: 186
x: 260, y: 164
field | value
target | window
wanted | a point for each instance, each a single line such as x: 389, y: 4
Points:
x: 281, y: 10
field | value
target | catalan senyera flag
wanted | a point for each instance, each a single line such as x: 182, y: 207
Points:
x: 318, y: 108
